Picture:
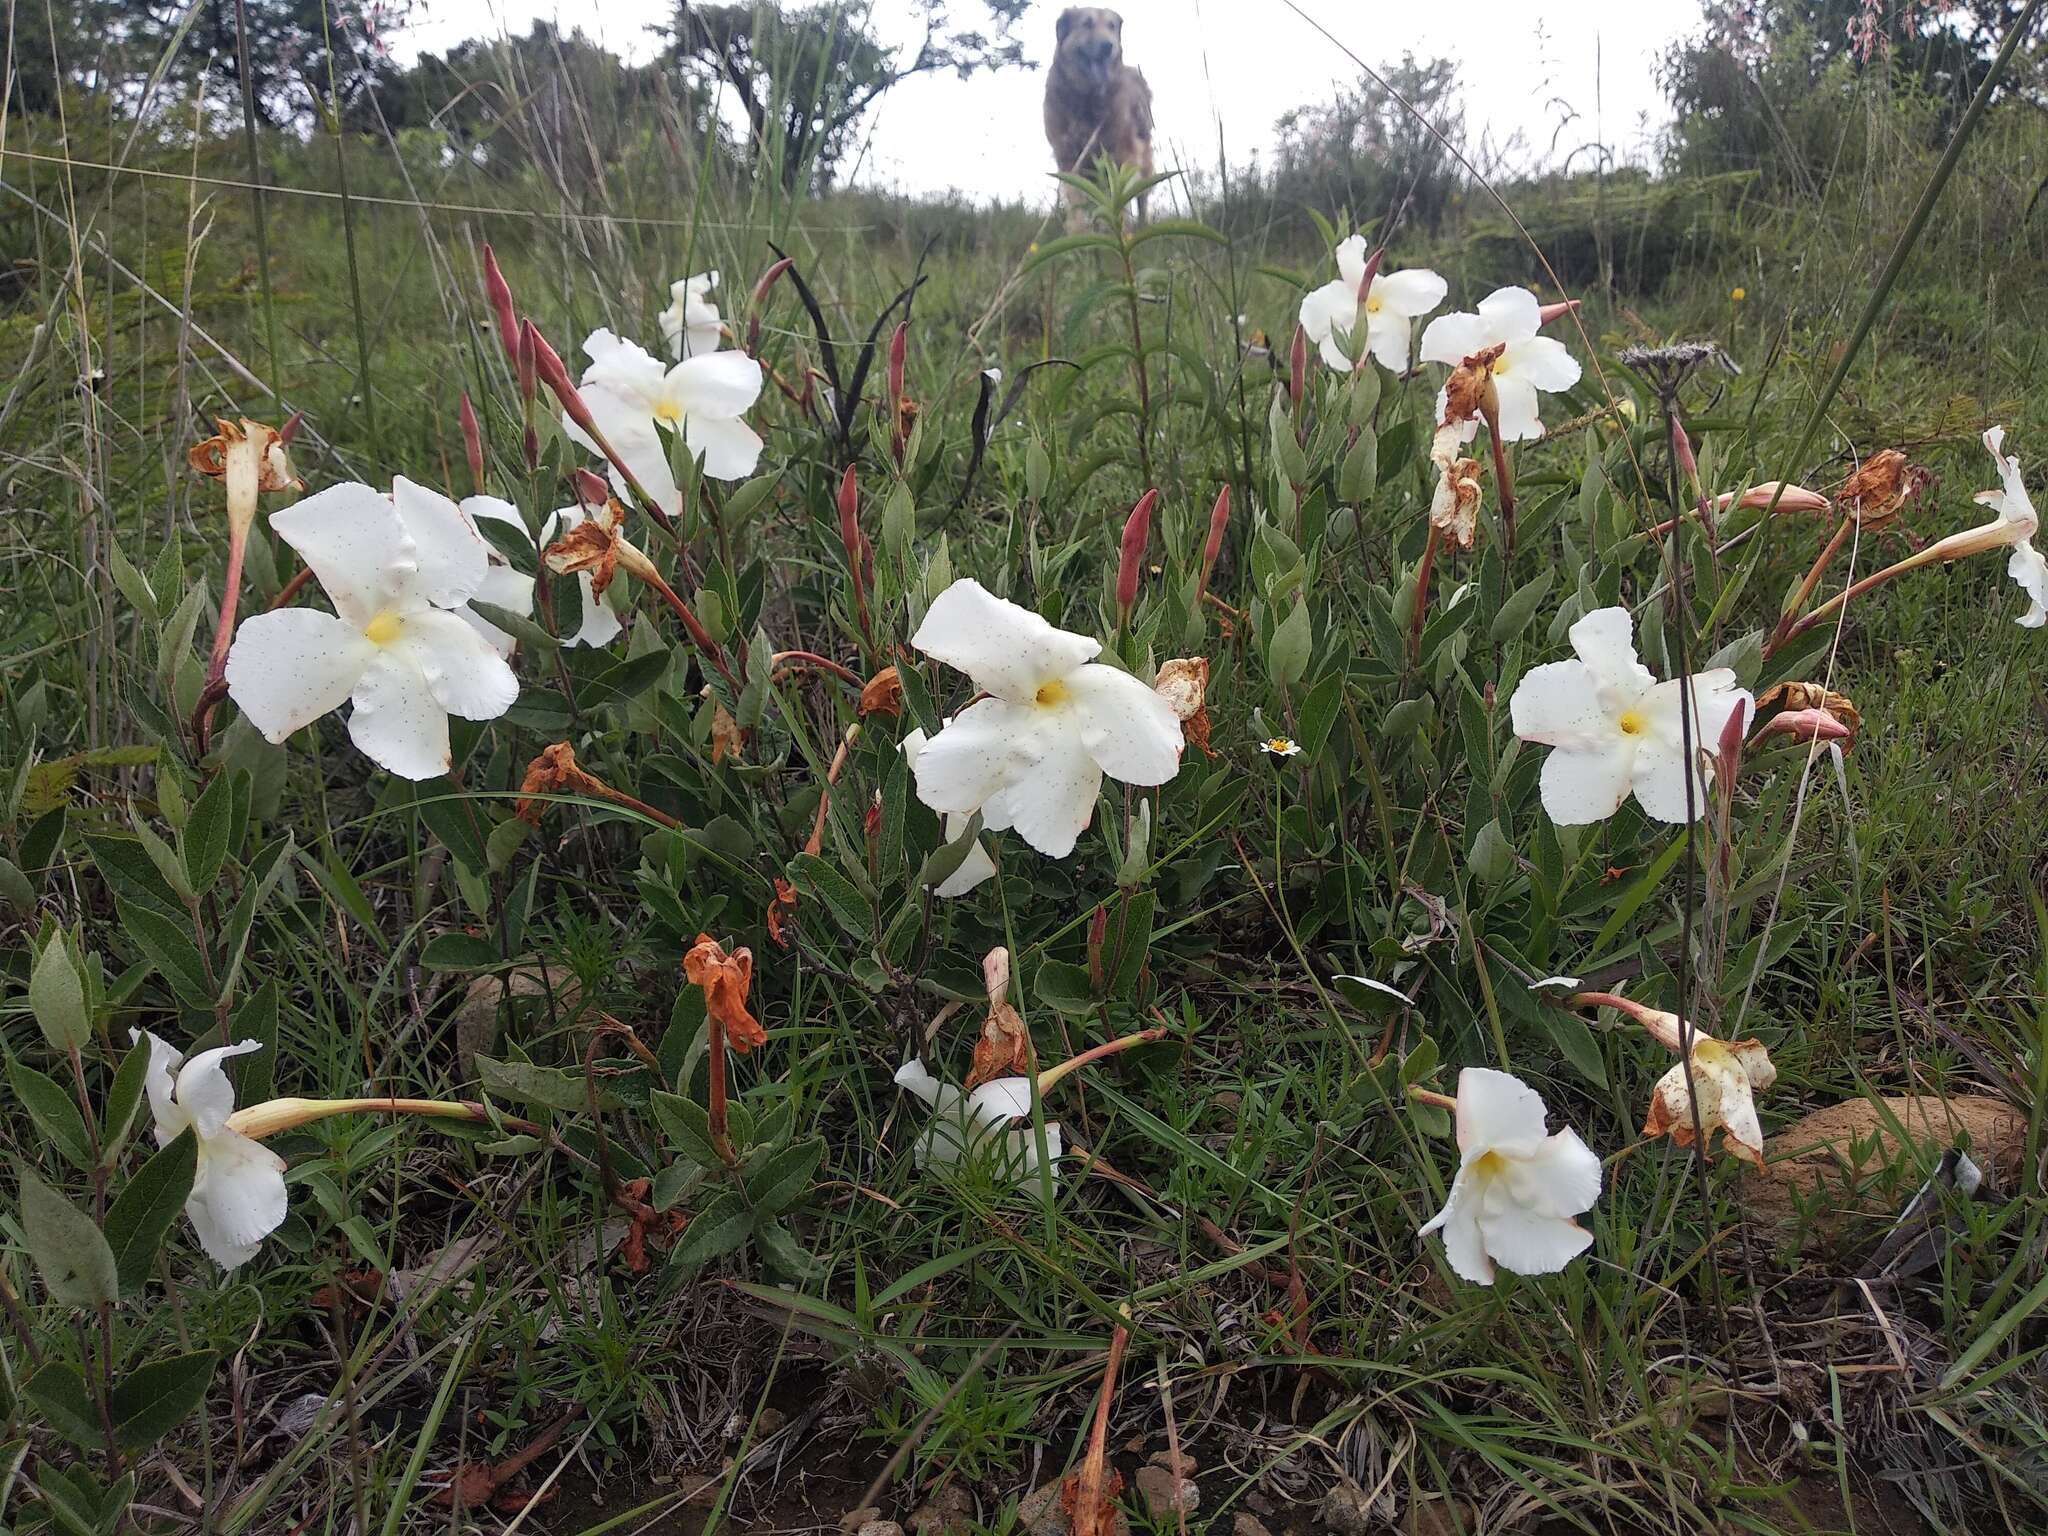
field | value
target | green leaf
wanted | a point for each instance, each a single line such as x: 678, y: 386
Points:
x: 783, y: 1253
x: 53, y: 1110
x: 147, y: 1205
x: 1064, y: 987
x: 1492, y: 858
x: 205, y: 841
x: 1187, y: 229
x: 517, y: 625
x: 1520, y: 608
x: 944, y: 861
x: 74, y: 1260
x: 713, y: 1232
x: 688, y: 1125
x: 59, y: 1392
x: 460, y: 952
x: 823, y: 883
x: 167, y: 944
x: 124, y: 1098
x: 1287, y: 653
x: 786, y: 1176
x: 150, y: 1402
x: 1568, y: 1032
x: 56, y: 995
x: 452, y: 817
x: 529, y: 1084
x: 15, y: 889
x: 132, y: 583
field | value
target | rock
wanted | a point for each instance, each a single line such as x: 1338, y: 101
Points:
x: 1440, y: 1517
x: 948, y: 1512
x: 857, y: 1519
x: 1166, y: 1495
x: 1346, y: 1510
x: 880, y: 1528
x: 1039, y: 1511
x: 476, y: 1016
x: 1164, y: 1458
x: 1815, y: 1160
x: 1248, y: 1525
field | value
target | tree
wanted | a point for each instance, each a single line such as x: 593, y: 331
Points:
x: 299, y: 51
x: 805, y: 76
x: 1367, y: 152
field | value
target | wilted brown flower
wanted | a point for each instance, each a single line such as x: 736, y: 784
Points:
x: 1799, y: 697
x: 1454, y: 509
x: 725, y: 980
x: 1184, y: 684
x: 779, y: 907
x: 1003, y: 1048
x: 726, y: 737
x: 590, y: 549
x: 248, y: 459
x: 1881, y: 486
x: 1469, y: 393
x: 882, y: 694
x: 554, y: 772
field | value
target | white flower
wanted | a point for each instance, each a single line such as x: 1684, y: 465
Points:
x: 400, y: 570
x: 504, y: 585
x: 237, y: 1196
x: 1033, y: 754
x: 1616, y: 728
x: 690, y: 323
x: 1390, y: 309
x: 977, y: 866
x: 632, y: 397
x: 1727, y: 1075
x: 1517, y: 1189
x: 1529, y: 363
x: 984, y: 1123
x: 2019, y: 522
x: 600, y: 625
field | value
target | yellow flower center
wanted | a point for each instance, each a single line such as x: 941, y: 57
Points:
x: 1631, y: 723
x: 1500, y: 365
x: 1491, y: 1165
x: 384, y: 628
x: 1050, y: 695
x: 1372, y: 305
x: 669, y: 414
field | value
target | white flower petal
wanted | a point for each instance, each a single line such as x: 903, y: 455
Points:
x: 1052, y: 799
x: 1558, y: 704
x: 452, y: 555
x: 600, y: 625
x: 1605, y: 641
x: 1512, y: 313
x: 1543, y: 361
x: 2026, y: 566
x: 493, y: 509
x: 1131, y: 732
x: 1453, y: 338
x: 396, y: 722
x: 634, y: 438
x: 1521, y: 420
x: 1459, y: 1223
x: 719, y: 384
x: 288, y: 668
x: 730, y: 449
x: 914, y: 1077
x: 1409, y: 294
x: 503, y: 587
x: 352, y: 538
x: 974, y: 869
x: 625, y: 370
x: 463, y: 670
x: 1530, y: 1243
x: 237, y: 1199
x: 204, y: 1092
x: 1351, y: 254
x: 1561, y: 1177
x: 974, y: 755
x: 1329, y: 316
x: 1001, y: 1100
x: 1495, y: 1108
x: 1658, y: 773
x: 1005, y: 648
x: 160, y: 1083
x: 1587, y: 784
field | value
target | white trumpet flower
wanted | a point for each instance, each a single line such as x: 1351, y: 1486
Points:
x: 690, y: 323
x: 977, y: 866
x: 238, y: 1196
x: 633, y: 399
x: 984, y: 1123
x: 1331, y: 314
x: 1527, y: 366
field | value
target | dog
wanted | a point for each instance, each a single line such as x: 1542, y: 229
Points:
x: 1095, y: 103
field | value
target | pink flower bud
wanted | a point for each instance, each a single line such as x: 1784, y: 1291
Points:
x: 850, y: 536
x: 590, y: 488
x: 758, y: 298
x: 472, y: 440
x: 1548, y: 312
x: 1795, y: 498
x: 290, y: 429
x: 499, y: 292
x: 525, y: 363
x: 899, y: 350
x: 1297, y: 367
x: 1137, y: 533
x: 1807, y: 725
x: 1372, y: 270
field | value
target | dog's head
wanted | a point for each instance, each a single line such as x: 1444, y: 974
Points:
x: 1090, y: 42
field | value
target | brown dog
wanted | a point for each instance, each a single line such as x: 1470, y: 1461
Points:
x: 1095, y: 103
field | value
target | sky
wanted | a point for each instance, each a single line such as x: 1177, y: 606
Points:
x: 1539, y: 80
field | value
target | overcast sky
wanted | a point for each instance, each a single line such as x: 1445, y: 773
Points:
x: 1551, y: 76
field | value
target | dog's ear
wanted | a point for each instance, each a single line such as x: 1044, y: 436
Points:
x: 1065, y: 24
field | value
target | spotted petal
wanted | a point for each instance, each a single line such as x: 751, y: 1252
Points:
x: 1006, y: 649
x: 288, y: 668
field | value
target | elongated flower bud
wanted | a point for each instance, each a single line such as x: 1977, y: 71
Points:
x: 850, y: 536
x: 549, y: 368
x: 472, y: 440
x: 1297, y: 367
x: 1545, y: 313
x: 526, y: 363
x: 1137, y: 533
x: 1372, y: 270
x: 590, y: 488
x: 1219, y: 520
x: 758, y: 298
x: 499, y: 293
x: 899, y: 351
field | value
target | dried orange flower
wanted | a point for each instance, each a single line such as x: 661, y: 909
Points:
x: 554, y: 772
x: 1795, y: 697
x: 779, y: 907
x: 1470, y: 393
x: 247, y: 459
x: 1184, y: 684
x: 1454, y: 509
x: 726, y: 737
x: 725, y: 980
